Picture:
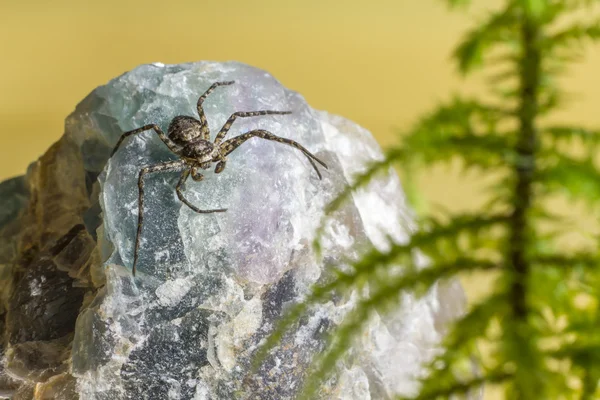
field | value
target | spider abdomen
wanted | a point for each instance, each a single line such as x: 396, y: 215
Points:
x: 184, y: 129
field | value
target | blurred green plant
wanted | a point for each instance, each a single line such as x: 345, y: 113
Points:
x: 540, y: 322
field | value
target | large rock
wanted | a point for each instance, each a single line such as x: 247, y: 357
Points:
x: 209, y: 287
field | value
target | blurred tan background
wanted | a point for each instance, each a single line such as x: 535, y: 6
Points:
x: 381, y: 63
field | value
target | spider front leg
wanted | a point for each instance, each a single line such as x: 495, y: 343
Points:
x: 170, y: 144
x: 181, y: 188
x: 205, y: 131
x: 230, y: 145
x: 197, y: 175
x: 243, y: 114
x: 220, y: 166
x: 166, y: 166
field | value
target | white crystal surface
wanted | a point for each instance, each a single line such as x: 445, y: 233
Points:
x: 211, y: 286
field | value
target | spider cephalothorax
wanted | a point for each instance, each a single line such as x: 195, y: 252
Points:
x: 189, y: 138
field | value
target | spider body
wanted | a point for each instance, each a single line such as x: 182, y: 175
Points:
x: 192, y: 136
x: 199, y: 151
x: 183, y: 129
x: 189, y: 139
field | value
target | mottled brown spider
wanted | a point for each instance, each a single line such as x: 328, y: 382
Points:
x: 189, y: 138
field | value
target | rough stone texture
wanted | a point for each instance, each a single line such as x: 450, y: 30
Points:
x: 209, y: 287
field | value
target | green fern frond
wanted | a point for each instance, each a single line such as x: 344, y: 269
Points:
x: 552, y: 99
x: 382, y: 298
x: 392, y: 156
x: 572, y: 35
x: 477, y: 152
x: 540, y: 213
x: 570, y: 134
x: 575, y: 178
x: 458, y: 116
x: 498, y: 30
x: 459, y: 344
x: 500, y: 190
x: 583, y: 260
x: 374, y: 259
x: 461, y: 127
x: 576, y: 350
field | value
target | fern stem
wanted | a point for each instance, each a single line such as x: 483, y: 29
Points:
x: 530, y: 70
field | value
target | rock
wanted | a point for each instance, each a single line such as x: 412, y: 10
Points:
x: 209, y: 287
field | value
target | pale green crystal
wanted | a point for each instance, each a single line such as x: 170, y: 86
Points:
x: 210, y: 287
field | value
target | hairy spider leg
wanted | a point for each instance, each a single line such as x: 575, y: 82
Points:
x: 244, y: 114
x: 181, y: 188
x: 196, y: 175
x: 230, y: 145
x: 165, y: 166
x: 203, y: 122
x: 170, y: 144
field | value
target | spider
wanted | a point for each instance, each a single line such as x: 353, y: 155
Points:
x: 189, y: 138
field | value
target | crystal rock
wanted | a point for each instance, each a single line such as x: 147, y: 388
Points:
x: 209, y: 287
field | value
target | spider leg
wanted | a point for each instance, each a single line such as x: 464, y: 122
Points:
x: 229, y: 145
x: 205, y: 131
x: 181, y: 188
x: 244, y: 114
x: 166, y: 166
x: 170, y: 144
x: 196, y: 175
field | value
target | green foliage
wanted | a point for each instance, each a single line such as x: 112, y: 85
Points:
x: 575, y: 178
x: 539, y: 323
x: 499, y: 30
x: 458, y: 3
